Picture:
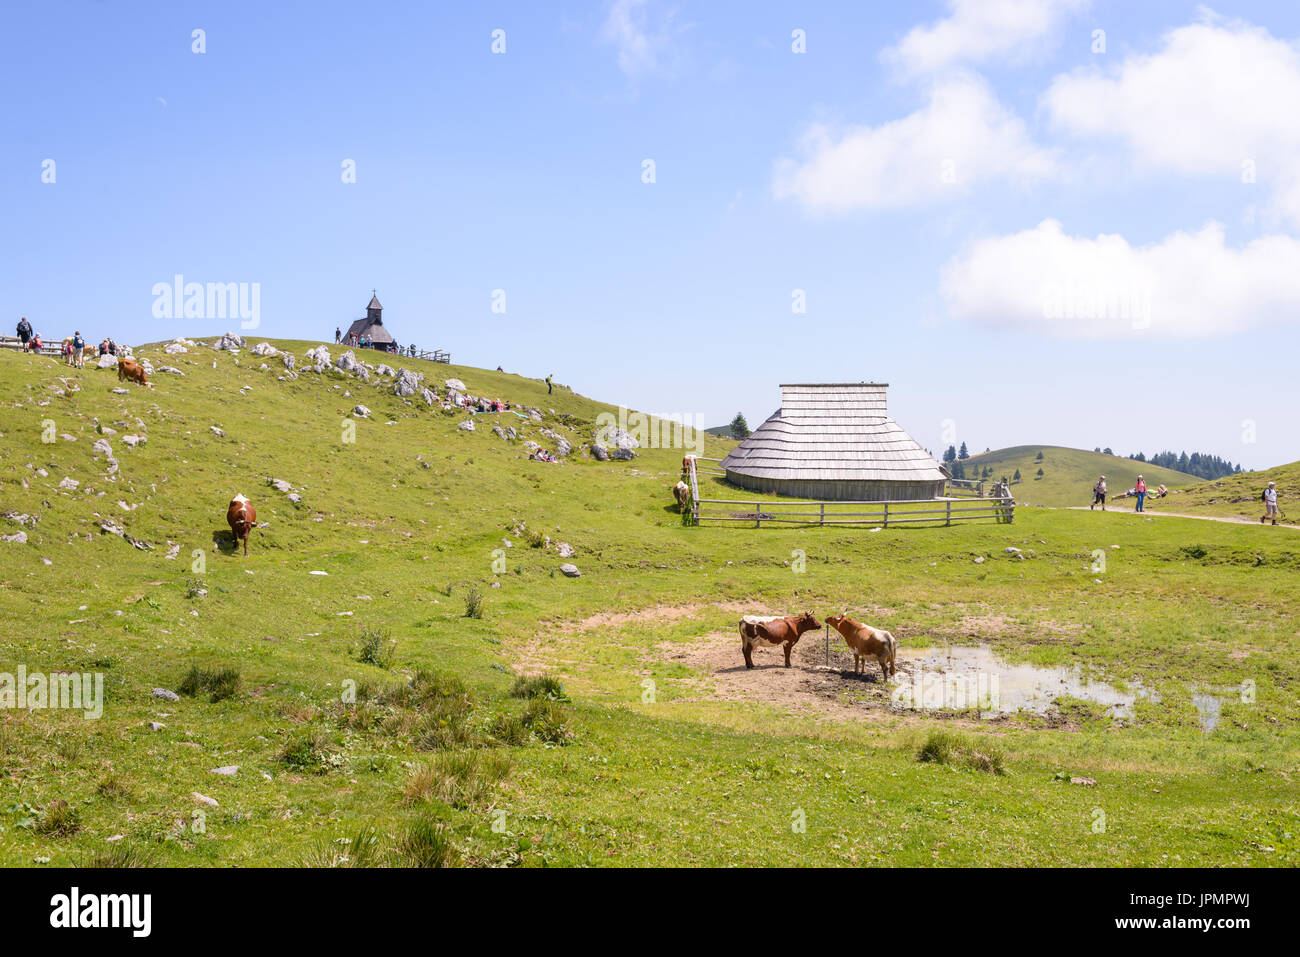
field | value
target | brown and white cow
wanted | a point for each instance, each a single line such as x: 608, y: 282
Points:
x: 242, y: 518
x: 682, y: 492
x: 867, y: 642
x: 130, y: 369
x: 756, y: 631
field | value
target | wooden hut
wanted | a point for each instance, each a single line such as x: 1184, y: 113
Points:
x: 835, y: 442
x: 372, y: 327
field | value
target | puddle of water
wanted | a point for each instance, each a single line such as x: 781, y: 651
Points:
x: 1208, y: 707
x: 974, y: 678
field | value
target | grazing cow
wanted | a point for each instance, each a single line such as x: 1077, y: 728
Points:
x: 867, y: 642
x: 756, y: 630
x: 682, y: 492
x: 130, y: 369
x: 242, y: 518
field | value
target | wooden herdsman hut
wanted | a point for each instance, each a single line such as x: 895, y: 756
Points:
x: 835, y: 441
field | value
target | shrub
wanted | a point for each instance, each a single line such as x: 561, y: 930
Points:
x: 459, y: 778
x: 541, y: 686
x: 194, y: 588
x: 944, y: 747
x: 58, y: 818
x: 219, y: 683
x: 547, y: 721
x: 122, y: 854
x: 426, y: 843
x: 473, y: 603
x: 376, y: 648
x: 360, y: 850
x: 113, y: 786
x: 307, y: 750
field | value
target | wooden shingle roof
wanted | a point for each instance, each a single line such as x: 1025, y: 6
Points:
x: 833, y: 431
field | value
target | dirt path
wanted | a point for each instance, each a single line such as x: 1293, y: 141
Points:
x: 1205, y: 518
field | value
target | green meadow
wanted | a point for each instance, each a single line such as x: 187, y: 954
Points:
x: 440, y: 697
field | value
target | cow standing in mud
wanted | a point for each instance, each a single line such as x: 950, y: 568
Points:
x: 755, y: 631
x: 867, y: 642
x: 242, y: 518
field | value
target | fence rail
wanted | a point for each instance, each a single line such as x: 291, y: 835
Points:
x: 48, y: 348
x: 961, y: 507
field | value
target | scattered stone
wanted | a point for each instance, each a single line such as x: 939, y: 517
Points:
x: 360, y: 410
x: 264, y: 349
x: 288, y: 361
x: 119, y: 391
x: 622, y: 454
x: 204, y: 799
x: 429, y: 396
x: 455, y: 384
x: 570, y: 570
x: 1086, y: 782
x: 133, y: 440
x: 18, y: 538
x: 408, y: 383
x: 280, y: 485
x: 228, y: 770
x: 101, y: 447
x: 107, y: 361
x: 169, y: 369
x: 384, y: 369
x: 230, y: 342
x: 70, y: 484
x: 599, y: 452
x: 175, y: 349
x: 165, y: 694
x: 173, y: 551
x: 619, y: 438
x: 347, y: 362
x: 466, y: 426
x: 979, y: 560
x: 216, y: 431
x: 564, y: 549
x: 156, y: 725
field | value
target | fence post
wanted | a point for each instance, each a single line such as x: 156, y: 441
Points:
x: 822, y: 521
x: 885, y: 523
x: 948, y: 511
x: 758, y: 515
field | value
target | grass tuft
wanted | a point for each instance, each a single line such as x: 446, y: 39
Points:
x: 217, y: 683
x: 944, y: 747
x: 459, y: 778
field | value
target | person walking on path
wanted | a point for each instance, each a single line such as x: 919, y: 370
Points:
x: 1270, y: 504
x: 338, y: 334
x: 78, y: 350
x: 548, y: 385
x: 1141, y: 489
x: 24, y: 332
x: 1099, y: 494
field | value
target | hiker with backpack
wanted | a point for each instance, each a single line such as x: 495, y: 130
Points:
x: 24, y: 332
x: 78, y: 350
x: 1270, y: 504
x: 1099, y: 494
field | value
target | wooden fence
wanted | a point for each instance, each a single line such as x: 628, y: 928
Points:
x: 48, y: 347
x: 964, y: 506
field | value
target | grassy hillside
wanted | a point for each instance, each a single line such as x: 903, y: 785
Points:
x: 1238, y: 496
x: 1069, y: 474
x: 369, y: 713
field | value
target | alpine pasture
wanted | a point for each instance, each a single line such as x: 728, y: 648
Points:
x: 399, y: 672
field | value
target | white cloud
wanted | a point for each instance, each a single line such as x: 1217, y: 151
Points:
x: 1188, y: 285
x: 1216, y: 96
x: 979, y: 30
x: 643, y: 47
x: 962, y: 136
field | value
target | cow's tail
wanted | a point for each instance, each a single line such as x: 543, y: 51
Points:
x: 893, y: 651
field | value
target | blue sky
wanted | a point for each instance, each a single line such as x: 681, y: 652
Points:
x: 925, y: 173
